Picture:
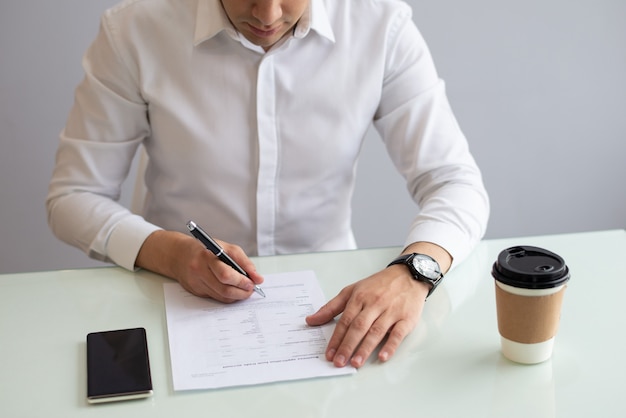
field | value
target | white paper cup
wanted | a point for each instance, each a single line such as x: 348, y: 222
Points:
x: 530, y: 284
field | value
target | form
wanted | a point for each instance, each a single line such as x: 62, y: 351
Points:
x: 258, y: 340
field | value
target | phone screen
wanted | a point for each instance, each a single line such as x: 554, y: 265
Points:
x: 118, y: 367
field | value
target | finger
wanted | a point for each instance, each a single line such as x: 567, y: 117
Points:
x: 239, y: 256
x: 351, y: 328
x: 207, y: 287
x: 326, y: 313
x: 397, y: 334
x: 255, y: 277
x: 374, y: 335
x: 228, y: 276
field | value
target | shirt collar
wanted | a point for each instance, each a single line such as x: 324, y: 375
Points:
x: 211, y: 19
x: 315, y: 18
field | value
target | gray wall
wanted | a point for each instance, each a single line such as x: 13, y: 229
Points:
x: 539, y: 88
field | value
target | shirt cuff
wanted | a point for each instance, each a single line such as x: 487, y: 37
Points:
x: 126, y: 240
x: 455, y: 242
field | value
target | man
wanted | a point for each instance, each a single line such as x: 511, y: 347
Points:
x: 252, y: 113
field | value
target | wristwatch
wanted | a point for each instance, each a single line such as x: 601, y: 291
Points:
x: 423, y: 268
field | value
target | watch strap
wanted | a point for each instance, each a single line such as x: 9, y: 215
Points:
x: 406, y: 260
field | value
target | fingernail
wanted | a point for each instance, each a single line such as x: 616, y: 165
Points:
x: 330, y: 354
x: 340, y: 360
x: 357, y: 361
x: 383, y: 356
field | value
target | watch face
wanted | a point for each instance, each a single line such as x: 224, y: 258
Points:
x: 426, y: 266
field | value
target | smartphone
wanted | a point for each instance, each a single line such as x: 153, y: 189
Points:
x: 118, y: 367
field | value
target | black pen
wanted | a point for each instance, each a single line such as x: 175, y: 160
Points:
x: 215, y: 248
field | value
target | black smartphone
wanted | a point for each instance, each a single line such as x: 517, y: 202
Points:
x: 118, y: 367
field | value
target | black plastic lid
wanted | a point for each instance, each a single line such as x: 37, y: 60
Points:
x: 530, y: 268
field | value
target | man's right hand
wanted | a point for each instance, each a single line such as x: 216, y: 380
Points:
x: 200, y: 272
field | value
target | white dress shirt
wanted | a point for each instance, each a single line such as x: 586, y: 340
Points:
x: 260, y: 148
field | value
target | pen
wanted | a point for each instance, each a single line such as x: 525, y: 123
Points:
x: 215, y: 248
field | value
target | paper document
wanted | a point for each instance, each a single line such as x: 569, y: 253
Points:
x: 254, y: 341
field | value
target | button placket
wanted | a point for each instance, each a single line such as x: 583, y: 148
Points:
x: 268, y: 156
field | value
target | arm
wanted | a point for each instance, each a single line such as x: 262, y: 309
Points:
x: 106, y: 125
x: 428, y: 148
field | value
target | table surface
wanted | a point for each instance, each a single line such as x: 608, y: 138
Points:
x: 450, y: 366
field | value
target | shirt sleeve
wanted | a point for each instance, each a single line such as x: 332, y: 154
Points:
x: 106, y: 125
x: 428, y: 147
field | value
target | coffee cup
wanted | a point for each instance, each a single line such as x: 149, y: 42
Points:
x: 530, y: 284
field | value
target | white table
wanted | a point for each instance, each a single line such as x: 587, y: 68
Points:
x: 450, y: 366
